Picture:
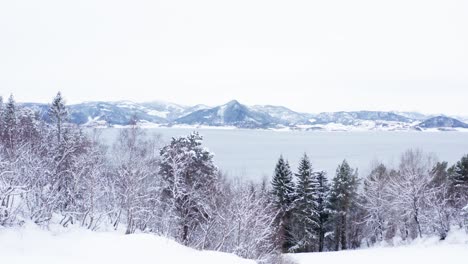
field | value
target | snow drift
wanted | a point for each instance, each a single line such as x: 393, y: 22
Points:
x: 427, y: 250
x: 30, y: 244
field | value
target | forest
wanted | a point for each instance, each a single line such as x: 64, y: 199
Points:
x: 53, y: 171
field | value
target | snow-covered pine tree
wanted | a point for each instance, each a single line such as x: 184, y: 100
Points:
x: 58, y: 114
x: 343, y: 197
x: 458, y: 176
x: 440, y: 207
x: 28, y: 130
x: 9, y: 118
x: 323, y: 207
x: 304, y: 208
x: 283, y: 198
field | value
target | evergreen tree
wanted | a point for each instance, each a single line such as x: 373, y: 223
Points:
x: 458, y: 183
x: 343, y: 195
x: 283, y: 197
x: 305, y: 214
x: 459, y: 174
x: 323, y: 208
x: 9, y: 123
x: 58, y: 114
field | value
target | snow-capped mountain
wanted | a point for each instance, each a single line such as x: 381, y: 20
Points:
x: 353, y: 118
x: 413, y: 115
x: 235, y: 114
x: 231, y: 114
x: 443, y: 122
x: 165, y: 110
x: 287, y: 115
x: 119, y: 113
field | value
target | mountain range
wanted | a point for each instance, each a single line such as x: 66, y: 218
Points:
x: 237, y: 115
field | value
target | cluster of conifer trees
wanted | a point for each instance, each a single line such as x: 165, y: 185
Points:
x: 421, y: 197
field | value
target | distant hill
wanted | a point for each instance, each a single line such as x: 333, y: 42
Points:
x: 231, y: 114
x: 236, y: 114
x: 443, y: 122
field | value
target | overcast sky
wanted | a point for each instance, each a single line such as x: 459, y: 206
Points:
x: 308, y: 55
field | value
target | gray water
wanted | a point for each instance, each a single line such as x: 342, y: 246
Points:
x: 252, y: 154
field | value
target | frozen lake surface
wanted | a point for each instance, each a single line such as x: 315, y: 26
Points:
x: 253, y: 153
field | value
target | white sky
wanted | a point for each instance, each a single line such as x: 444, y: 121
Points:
x: 308, y: 55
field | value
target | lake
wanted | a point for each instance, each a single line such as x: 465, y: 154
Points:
x: 252, y: 154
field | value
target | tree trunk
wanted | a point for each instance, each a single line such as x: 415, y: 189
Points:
x: 344, y: 245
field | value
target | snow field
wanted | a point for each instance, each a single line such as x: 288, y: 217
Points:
x: 424, y: 251
x: 30, y: 244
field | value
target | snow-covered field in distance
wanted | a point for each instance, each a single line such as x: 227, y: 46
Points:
x: 253, y: 153
x: 427, y: 251
x: 30, y: 244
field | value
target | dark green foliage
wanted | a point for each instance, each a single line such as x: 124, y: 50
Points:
x: 305, y: 216
x: 459, y: 174
x: 458, y: 183
x: 283, y: 186
x: 283, y: 197
x: 323, y: 208
x: 343, y: 199
x: 9, y: 123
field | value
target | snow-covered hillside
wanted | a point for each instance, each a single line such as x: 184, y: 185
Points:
x: 237, y: 115
x: 75, y: 245
x: 427, y: 251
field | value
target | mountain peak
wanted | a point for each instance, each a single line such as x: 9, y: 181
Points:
x: 232, y: 102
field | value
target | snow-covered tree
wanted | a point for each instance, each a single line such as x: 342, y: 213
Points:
x: 283, y: 197
x: 189, y: 179
x: 9, y: 118
x: 343, y: 198
x: 245, y: 225
x: 305, y: 216
x: 376, y: 202
x: 458, y: 182
x: 28, y: 126
x: 410, y: 188
x: 135, y: 178
x: 58, y: 113
x: 323, y: 208
x: 92, y: 186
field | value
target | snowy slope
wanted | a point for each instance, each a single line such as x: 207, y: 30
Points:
x: 428, y: 251
x: 32, y: 245
x: 443, y: 122
x: 280, y: 112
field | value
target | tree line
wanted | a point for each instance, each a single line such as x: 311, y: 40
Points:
x: 421, y: 197
x: 53, y: 172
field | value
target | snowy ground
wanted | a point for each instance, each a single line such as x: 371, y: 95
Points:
x: 70, y: 246
x: 428, y: 251
x: 30, y: 244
